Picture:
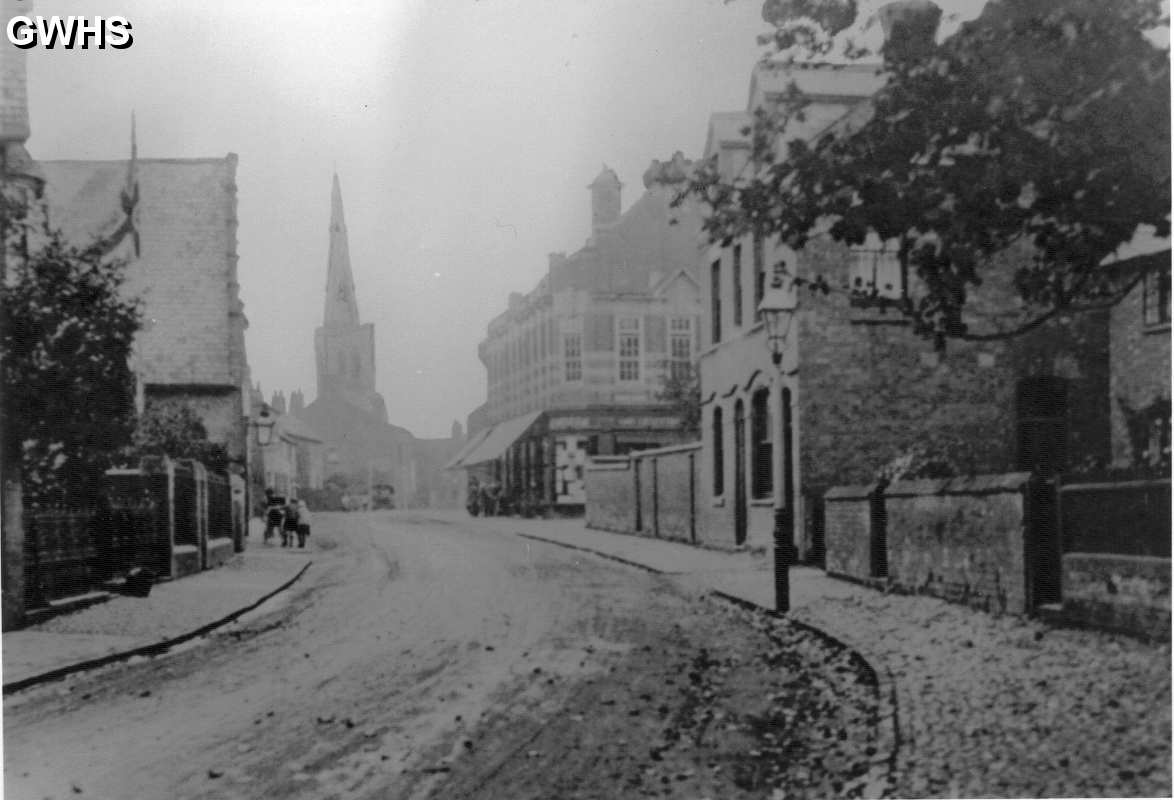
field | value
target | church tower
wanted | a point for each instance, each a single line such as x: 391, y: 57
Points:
x: 344, y: 348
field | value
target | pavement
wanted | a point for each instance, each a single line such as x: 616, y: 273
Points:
x: 115, y: 627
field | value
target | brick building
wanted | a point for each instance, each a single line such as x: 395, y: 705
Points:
x: 1139, y: 335
x: 856, y: 389
x: 576, y: 366
x: 191, y: 348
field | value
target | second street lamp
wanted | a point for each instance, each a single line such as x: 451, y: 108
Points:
x: 777, y: 309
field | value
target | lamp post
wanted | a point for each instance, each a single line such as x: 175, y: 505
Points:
x: 777, y: 309
x: 264, y: 425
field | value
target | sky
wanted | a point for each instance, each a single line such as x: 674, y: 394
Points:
x: 464, y: 134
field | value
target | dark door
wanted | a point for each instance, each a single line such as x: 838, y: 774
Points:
x: 739, y: 473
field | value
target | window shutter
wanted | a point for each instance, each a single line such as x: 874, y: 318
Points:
x: 654, y: 334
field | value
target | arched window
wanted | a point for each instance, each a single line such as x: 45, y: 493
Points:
x: 760, y: 438
x: 719, y: 461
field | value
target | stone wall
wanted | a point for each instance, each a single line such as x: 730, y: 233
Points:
x: 960, y: 539
x: 1119, y: 592
x: 848, y: 531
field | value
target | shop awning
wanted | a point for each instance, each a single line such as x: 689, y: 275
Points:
x: 500, y: 437
x: 474, y: 440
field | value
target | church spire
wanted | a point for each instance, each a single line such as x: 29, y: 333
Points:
x: 342, y: 310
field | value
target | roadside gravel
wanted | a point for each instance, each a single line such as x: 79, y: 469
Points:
x: 1009, y: 707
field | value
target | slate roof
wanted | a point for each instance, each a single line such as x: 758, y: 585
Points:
x: 623, y: 256
x: 186, y: 271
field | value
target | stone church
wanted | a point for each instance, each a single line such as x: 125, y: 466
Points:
x: 349, y: 414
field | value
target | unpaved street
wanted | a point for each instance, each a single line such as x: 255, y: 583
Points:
x: 418, y: 659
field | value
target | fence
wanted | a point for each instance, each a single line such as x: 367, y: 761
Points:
x: 59, y: 552
x: 172, y: 517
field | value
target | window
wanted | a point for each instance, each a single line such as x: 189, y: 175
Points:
x: 1156, y: 298
x: 715, y: 299
x: 680, y: 347
x: 760, y: 437
x: 629, y: 348
x: 738, y: 285
x: 572, y: 357
x: 719, y: 461
x: 875, y: 272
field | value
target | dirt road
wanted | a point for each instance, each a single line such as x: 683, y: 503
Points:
x: 418, y: 660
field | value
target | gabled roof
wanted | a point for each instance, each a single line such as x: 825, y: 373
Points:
x: 185, y: 273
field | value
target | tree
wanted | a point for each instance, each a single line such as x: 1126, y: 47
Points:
x: 1042, y: 124
x: 66, y: 334
x: 177, y: 431
x: 681, y: 389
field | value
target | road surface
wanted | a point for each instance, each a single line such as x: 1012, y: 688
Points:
x: 419, y: 659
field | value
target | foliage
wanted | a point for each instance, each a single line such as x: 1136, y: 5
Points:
x: 921, y: 461
x: 1042, y: 124
x: 177, y: 431
x: 67, y: 333
x: 681, y: 389
x: 1149, y: 436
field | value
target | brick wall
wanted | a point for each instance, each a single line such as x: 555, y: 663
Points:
x: 960, y: 539
x: 651, y: 493
x: 1120, y: 592
x: 848, y: 531
x: 870, y: 389
x: 611, y: 494
x: 668, y: 481
x: 1140, y: 361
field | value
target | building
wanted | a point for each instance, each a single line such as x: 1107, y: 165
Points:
x: 1139, y: 358
x: 576, y: 366
x: 362, y: 449
x: 856, y: 390
x: 21, y: 181
x: 191, y: 348
x: 294, y: 459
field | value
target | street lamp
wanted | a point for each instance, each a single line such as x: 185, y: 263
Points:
x: 777, y: 310
x: 264, y: 425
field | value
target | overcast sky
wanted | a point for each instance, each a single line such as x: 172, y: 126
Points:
x: 464, y: 134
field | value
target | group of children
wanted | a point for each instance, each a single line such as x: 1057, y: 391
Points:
x: 289, y: 518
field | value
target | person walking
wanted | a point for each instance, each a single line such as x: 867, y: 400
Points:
x: 273, y: 514
x: 289, y: 526
x: 303, y: 523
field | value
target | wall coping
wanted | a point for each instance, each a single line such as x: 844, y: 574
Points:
x: 607, y: 464
x: 664, y: 451
x: 1152, y: 562
x: 974, y: 484
x: 861, y: 491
